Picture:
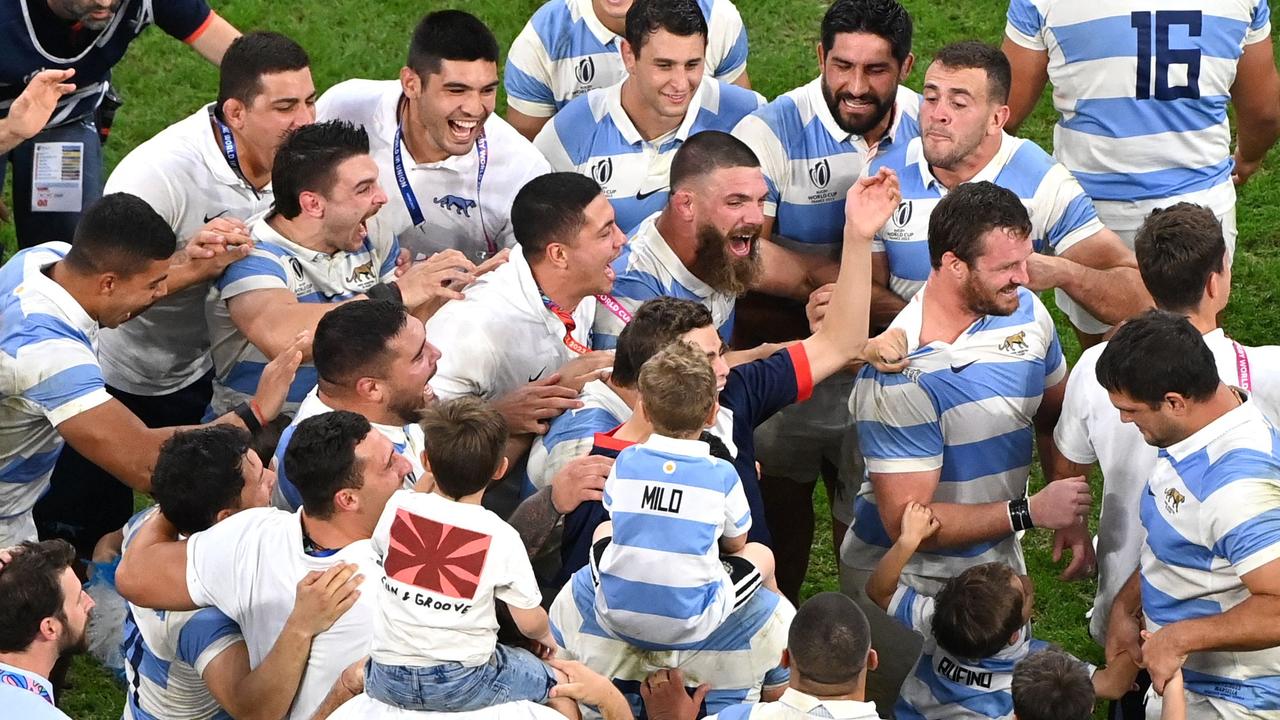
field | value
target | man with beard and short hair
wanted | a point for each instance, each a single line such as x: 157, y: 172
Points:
x: 813, y: 142
x: 451, y: 165
x: 962, y: 139
x: 44, y: 613
x: 984, y: 386
x: 89, y: 37
x: 702, y: 246
x: 372, y: 358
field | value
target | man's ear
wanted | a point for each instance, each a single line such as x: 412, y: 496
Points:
x: 502, y: 468
x: 410, y: 82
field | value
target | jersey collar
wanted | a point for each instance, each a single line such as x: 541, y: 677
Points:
x: 647, y: 235
x: 988, y: 173
x: 676, y: 446
x: 588, y: 14
x: 626, y: 128
x: 528, y: 289
x: 395, y: 433
x: 1245, y: 412
x: 838, y: 709
x: 603, y: 395
x: 34, y: 280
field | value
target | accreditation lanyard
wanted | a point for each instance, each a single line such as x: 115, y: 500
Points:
x: 228, y: 147
x: 1243, y: 374
x: 411, y: 200
x: 569, y: 325
x: 611, y: 304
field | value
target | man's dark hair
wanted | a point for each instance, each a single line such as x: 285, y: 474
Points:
x: 251, y: 56
x: 1052, y: 685
x: 655, y: 324
x: 449, y: 35
x: 31, y: 590
x: 464, y: 439
x: 321, y: 459
x: 199, y: 474
x: 551, y: 208
x: 978, y: 611
x: 705, y: 152
x: 678, y: 17
x: 971, y: 54
x: 352, y: 340
x: 1178, y: 248
x: 829, y: 639
x: 883, y: 18
x: 308, y: 161
x: 1156, y: 353
x: 961, y: 219
x: 121, y: 234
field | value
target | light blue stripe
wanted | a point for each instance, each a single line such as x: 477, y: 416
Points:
x: 1130, y: 117
x: 65, y: 386
x: 251, y: 267
x: 204, y: 628
x: 1115, y: 37
x: 1256, y: 693
x: 642, y: 464
x: 1167, y: 543
x: 736, y: 57
x: 983, y: 703
x: 1023, y: 173
x: 580, y: 424
x: 664, y: 534
x: 997, y: 454
x: 1258, y: 533
x: 881, y: 441
x: 523, y: 86
x: 909, y: 259
x: 1025, y: 17
x: 676, y: 603
x: 23, y: 470
x: 1166, y: 609
x: 1078, y: 213
x: 1154, y: 184
x: 1238, y: 464
x: 20, y: 330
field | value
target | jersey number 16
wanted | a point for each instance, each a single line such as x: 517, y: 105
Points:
x: 1164, y: 56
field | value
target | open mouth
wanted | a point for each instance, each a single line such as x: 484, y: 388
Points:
x: 462, y: 130
x: 740, y: 244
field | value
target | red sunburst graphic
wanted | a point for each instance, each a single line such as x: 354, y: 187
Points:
x: 434, y: 556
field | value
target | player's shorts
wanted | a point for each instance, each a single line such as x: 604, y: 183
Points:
x: 744, y: 576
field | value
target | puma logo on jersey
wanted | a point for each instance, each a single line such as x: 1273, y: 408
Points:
x: 1015, y: 343
x: 1173, y: 500
x: 363, y: 273
x: 459, y: 205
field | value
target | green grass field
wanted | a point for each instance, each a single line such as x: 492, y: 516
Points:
x: 163, y: 82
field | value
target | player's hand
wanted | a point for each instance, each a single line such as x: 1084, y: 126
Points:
x: 216, y: 245
x: 1084, y: 560
x: 1162, y: 655
x: 1062, y: 503
x: 1044, y: 272
x: 585, y: 685
x: 33, y: 108
x: 918, y: 525
x: 499, y: 259
x: 404, y: 261
x: 816, y: 309
x: 544, y: 647
x: 870, y: 203
x: 528, y: 409
x: 352, y: 677
x: 586, y: 367
x: 277, y: 377
x: 665, y: 697
x: 437, y: 280
x: 580, y: 480
x: 1124, y: 636
x: 1244, y: 169
x: 324, y: 596
x: 887, y: 352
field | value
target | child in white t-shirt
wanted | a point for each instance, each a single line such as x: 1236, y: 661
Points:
x: 445, y: 560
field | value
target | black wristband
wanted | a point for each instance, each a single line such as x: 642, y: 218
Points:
x: 245, y: 412
x: 386, y: 291
x: 1020, y: 514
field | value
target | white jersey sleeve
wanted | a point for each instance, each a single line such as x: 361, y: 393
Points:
x: 726, y: 42
x: 1025, y: 25
x: 59, y: 374
x: 1065, y: 212
x: 762, y: 140
x: 215, y: 568
x: 527, y: 77
x: 1071, y: 435
x: 912, y: 609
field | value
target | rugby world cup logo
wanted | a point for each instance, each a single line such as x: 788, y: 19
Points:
x: 902, y: 215
x: 820, y: 173
x: 602, y: 171
x: 585, y: 71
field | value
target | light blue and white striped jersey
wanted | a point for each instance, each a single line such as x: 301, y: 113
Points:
x: 964, y: 410
x: 1061, y: 213
x: 943, y: 685
x: 1142, y: 88
x: 594, y: 136
x: 646, y: 269
x: 662, y: 584
x: 408, y: 440
x: 737, y: 660
x: 572, y: 433
x: 277, y: 263
x: 166, y: 654
x: 49, y: 373
x: 564, y: 51
x: 810, y: 162
x: 1212, y: 515
x: 795, y: 705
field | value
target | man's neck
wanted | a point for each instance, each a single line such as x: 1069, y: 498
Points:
x: 969, y: 167
x: 472, y: 499
x: 37, y: 659
x: 628, y: 395
x: 417, y: 142
x: 636, y: 429
x: 649, y: 124
x: 80, y: 288
x: 1204, y: 320
x: 255, y: 163
x: 336, y: 399
x: 876, y: 134
x: 945, y: 314
x: 828, y: 692
x: 680, y: 237
x: 556, y: 287
x: 1203, y: 414
x: 335, y: 533
x: 301, y: 230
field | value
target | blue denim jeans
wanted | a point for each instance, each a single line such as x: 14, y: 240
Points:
x: 511, y: 674
x: 34, y: 228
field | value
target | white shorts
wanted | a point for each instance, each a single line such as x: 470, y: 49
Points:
x: 1202, y: 707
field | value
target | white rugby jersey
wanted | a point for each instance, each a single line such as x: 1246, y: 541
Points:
x: 965, y: 409
x: 502, y: 336
x: 594, y: 136
x: 457, y: 206
x: 810, y: 162
x: 646, y: 269
x: 1212, y: 515
x: 1061, y: 214
x: 1089, y: 430
x: 738, y: 659
x: 248, y: 566
x: 564, y: 51
x: 1142, y: 88
x: 184, y: 176
x: 314, y: 277
x: 795, y: 705
x: 166, y: 654
x: 49, y: 373
x: 408, y: 440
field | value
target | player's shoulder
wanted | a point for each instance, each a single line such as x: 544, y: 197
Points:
x: 734, y: 100
x: 177, y: 147
x: 356, y: 100
x: 507, y: 141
